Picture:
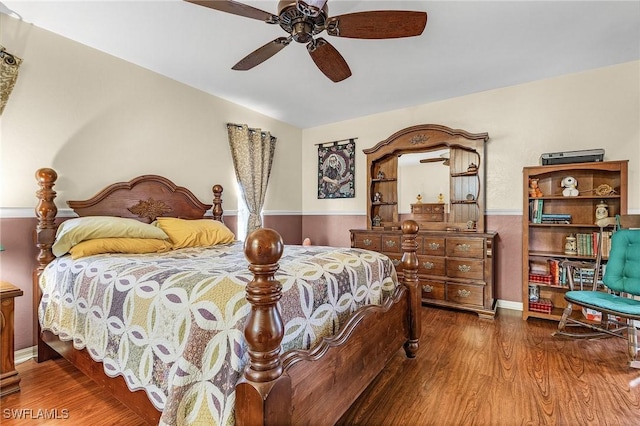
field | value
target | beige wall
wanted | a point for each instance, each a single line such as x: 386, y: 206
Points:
x: 593, y: 109
x: 97, y: 119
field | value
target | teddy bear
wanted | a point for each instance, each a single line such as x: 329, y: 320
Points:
x: 534, y: 190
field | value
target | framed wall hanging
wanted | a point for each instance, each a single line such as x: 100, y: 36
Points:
x: 336, y: 169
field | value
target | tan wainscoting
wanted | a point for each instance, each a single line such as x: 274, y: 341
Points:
x: 18, y: 260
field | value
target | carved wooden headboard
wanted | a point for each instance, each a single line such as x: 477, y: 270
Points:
x: 147, y: 197
x: 143, y: 198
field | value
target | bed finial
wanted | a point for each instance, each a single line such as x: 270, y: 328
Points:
x: 263, y: 394
x: 46, y: 212
x: 410, y: 264
x: 216, y: 210
x: 264, y: 329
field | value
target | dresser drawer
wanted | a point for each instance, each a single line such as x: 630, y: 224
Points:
x: 391, y: 243
x: 465, y: 247
x: 433, y: 290
x: 396, y: 259
x: 471, y: 269
x: 467, y: 294
x: 432, y: 246
x: 427, y: 209
x: 431, y: 265
x: 368, y: 241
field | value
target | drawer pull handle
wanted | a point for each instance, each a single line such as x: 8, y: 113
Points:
x: 464, y: 293
x: 367, y: 242
x: 395, y: 262
x: 434, y: 246
x: 390, y: 243
x: 427, y: 288
x: 428, y: 265
x: 464, y: 268
x: 464, y: 247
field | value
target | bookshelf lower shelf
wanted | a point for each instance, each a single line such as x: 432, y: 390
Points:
x: 555, y: 315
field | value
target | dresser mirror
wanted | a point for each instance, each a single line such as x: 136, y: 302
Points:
x: 431, y: 174
x: 412, y: 184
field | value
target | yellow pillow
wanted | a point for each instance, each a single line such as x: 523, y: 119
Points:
x: 72, y: 231
x: 195, y: 233
x: 119, y: 245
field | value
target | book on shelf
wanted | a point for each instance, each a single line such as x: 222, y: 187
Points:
x: 586, y: 244
x: 556, y: 221
x: 554, y: 271
x: 537, y: 277
x: 547, y: 272
x: 556, y: 216
x: 536, y: 215
x: 606, y: 243
x: 583, y: 277
x: 535, y: 210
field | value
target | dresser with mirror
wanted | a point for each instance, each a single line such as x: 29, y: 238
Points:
x: 434, y: 175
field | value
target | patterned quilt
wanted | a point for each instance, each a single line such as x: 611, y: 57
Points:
x: 172, y: 323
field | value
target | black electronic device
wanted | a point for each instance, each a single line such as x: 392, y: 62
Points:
x: 567, y: 157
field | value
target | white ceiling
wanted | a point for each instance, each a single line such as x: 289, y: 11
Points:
x: 467, y: 47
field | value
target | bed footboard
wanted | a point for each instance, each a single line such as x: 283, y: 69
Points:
x: 288, y: 389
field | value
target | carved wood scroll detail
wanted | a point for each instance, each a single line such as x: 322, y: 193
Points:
x: 150, y: 209
x: 419, y: 139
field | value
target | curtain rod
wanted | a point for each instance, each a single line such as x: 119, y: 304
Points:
x: 240, y: 126
x: 336, y: 142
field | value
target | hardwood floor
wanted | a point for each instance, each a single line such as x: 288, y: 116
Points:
x: 469, y: 371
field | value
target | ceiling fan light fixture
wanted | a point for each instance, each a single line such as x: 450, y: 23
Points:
x: 301, y: 32
x: 311, y: 8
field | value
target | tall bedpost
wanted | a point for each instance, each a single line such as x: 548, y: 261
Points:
x: 263, y: 392
x: 410, y: 272
x: 44, y: 237
x: 216, y: 210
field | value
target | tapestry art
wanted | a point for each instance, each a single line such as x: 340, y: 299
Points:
x: 336, y: 170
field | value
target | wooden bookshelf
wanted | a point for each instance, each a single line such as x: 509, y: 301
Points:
x: 542, y: 242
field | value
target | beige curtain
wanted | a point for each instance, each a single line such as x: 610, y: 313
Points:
x: 252, y: 151
x: 9, y: 65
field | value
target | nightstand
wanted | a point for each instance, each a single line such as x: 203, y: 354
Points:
x: 9, y: 378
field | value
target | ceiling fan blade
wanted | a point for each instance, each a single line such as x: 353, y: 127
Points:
x: 328, y: 60
x: 378, y: 24
x: 236, y: 8
x: 432, y: 160
x: 261, y: 54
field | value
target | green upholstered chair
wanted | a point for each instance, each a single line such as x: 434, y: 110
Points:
x: 619, y: 301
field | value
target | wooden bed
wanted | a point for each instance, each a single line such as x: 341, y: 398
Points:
x: 277, y: 388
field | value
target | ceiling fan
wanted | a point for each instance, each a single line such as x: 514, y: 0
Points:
x: 443, y: 157
x: 303, y: 19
